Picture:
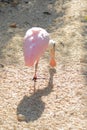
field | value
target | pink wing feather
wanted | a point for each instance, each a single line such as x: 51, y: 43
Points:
x: 36, y: 42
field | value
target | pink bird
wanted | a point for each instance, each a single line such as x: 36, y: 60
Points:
x: 36, y: 41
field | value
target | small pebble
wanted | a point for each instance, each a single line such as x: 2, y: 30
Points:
x: 26, y: 1
x: 20, y: 117
x: 47, y: 13
x: 1, y: 65
x: 13, y: 25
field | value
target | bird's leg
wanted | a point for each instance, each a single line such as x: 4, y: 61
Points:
x: 35, y: 73
x: 52, y: 55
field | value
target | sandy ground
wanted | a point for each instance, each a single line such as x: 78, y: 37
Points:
x: 60, y: 100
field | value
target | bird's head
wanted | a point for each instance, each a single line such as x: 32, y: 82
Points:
x: 52, y: 44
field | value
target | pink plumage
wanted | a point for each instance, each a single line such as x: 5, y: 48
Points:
x: 36, y: 41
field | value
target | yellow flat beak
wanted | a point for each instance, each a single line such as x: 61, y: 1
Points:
x: 52, y: 57
x: 52, y: 62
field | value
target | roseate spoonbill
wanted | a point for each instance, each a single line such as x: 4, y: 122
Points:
x: 36, y: 41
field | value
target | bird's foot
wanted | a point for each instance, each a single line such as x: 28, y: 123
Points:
x: 35, y: 78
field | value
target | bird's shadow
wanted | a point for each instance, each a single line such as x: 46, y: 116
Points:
x: 32, y: 107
